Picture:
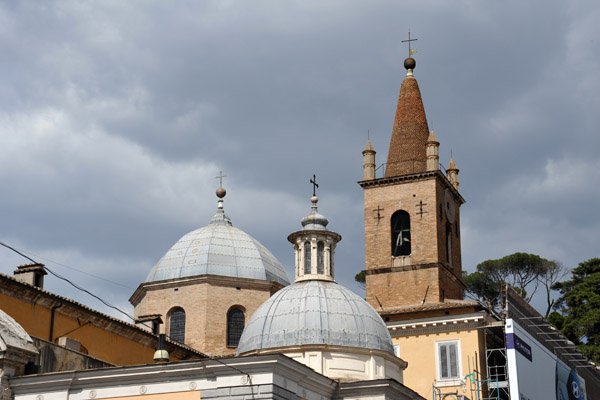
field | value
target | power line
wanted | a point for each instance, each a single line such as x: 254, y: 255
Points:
x: 68, y: 281
x: 18, y: 252
x: 88, y: 292
x: 74, y: 269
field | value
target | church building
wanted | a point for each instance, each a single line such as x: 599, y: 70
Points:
x: 313, y: 339
x: 208, y: 284
x: 218, y: 292
x: 413, y: 265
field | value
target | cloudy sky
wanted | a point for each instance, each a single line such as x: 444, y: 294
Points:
x: 116, y: 117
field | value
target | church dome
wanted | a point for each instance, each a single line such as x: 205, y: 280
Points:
x: 219, y: 249
x: 315, y: 312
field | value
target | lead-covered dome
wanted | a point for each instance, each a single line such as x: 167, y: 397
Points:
x: 315, y: 312
x: 219, y: 249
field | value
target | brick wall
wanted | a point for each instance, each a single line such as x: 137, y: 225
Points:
x: 405, y: 280
x: 206, y: 302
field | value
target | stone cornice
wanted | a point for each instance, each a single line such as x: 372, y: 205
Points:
x: 331, y: 348
x: 387, y: 270
x: 437, y: 324
x: 219, y: 280
x: 208, y: 370
x: 421, y: 176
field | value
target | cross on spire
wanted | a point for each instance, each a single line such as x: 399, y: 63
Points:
x: 220, y: 178
x: 315, y: 185
x: 410, y: 51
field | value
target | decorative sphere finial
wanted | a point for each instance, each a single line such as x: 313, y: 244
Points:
x: 221, y: 192
x: 314, y: 199
x: 410, y: 63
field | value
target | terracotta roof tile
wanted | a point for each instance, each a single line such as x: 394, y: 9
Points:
x: 97, y: 313
x: 446, y: 305
x: 407, y: 154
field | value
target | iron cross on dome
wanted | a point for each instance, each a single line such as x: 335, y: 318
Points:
x: 315, y: 184
x: 220, y: 178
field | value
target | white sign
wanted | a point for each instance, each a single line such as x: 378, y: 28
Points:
x: 536, y: 373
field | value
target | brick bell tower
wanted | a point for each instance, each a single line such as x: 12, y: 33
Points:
x: 412, y: 219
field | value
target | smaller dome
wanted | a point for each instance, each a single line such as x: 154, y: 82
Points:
x: 314, y: 220
x: 315, y: 312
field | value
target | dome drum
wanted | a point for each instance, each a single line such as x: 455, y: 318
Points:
x: 314, y: 254
x: 343, y: 363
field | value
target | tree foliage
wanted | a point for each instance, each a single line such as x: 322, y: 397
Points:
x: 579, y: 306
x: 360, y: 278
x: 522, y: 271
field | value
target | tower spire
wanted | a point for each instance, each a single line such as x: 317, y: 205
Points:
x: 407, y: 153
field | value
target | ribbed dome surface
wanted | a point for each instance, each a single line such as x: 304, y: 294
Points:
x: 219, y: 249
x: 315, y: 312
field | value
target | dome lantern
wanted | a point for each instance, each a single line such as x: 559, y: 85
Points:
x: 314, y: 247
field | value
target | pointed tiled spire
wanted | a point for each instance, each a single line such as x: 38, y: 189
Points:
x: 407, y: 152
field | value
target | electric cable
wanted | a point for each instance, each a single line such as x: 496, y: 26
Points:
x: 21, y: 251
x: 68, y: 281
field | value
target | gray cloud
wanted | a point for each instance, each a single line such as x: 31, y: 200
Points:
x: 115, y: 117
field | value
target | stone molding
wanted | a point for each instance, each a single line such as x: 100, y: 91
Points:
x: 421, y: 176
x: 218, y: 280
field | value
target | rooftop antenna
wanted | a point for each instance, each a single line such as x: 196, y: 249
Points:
x: 411, y: 51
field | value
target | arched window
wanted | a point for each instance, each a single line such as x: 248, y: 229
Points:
x: 177, y: 325
x: 235, y: 326
x: 400, y: 234
x: 320, y: 258
x: 307, y: 257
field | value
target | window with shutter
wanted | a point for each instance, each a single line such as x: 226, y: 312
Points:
x: 448, y: 358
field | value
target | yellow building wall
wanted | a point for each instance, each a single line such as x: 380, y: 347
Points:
x: 420, y: 353
x: 98, y: 342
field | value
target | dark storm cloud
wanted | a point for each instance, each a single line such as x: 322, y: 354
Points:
x: 116, y: 117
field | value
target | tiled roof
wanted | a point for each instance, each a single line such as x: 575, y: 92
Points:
x: 407, y: 153
x: 445, y: 305
x: 96, y: 313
